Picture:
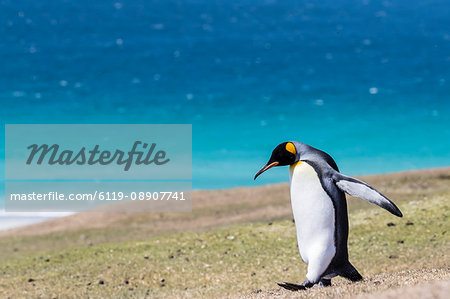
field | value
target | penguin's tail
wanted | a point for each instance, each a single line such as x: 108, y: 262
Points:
x: 349, y: 272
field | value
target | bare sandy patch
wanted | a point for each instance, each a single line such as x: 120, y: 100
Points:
x: 423, y: 283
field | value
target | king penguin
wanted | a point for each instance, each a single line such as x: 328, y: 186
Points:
x: 320, y: 211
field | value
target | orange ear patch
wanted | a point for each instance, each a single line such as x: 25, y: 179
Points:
x: 291, y: 148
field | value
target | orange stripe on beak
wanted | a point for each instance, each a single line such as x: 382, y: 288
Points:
x: 265, y: 167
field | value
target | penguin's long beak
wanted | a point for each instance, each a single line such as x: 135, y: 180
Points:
x: 266, y: 167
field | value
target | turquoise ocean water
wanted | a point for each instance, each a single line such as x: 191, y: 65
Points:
x: 366, y: 81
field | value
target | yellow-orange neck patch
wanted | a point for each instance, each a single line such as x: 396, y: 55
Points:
x: 291, y: 148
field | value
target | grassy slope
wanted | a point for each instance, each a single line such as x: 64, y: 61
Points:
x: 232, y: 259
x: 211, y: 209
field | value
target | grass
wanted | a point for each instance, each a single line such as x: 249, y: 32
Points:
x: 232, y: 260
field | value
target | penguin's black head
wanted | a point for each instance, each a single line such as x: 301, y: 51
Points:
x: 284, y: 154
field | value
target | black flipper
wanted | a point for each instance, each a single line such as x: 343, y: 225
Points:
x: 349, y: 272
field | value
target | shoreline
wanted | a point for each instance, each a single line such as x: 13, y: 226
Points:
x: 12, y: 220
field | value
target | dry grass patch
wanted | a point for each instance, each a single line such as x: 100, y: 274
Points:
x: 237, y: 260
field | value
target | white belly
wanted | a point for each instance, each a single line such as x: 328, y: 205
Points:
x: 314, y: 218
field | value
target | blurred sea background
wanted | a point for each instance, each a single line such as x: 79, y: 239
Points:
x: 366, y: 81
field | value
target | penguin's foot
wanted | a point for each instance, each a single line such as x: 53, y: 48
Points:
x: 325, y: 282
x: 296, y: 287
x: 291, y: 286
